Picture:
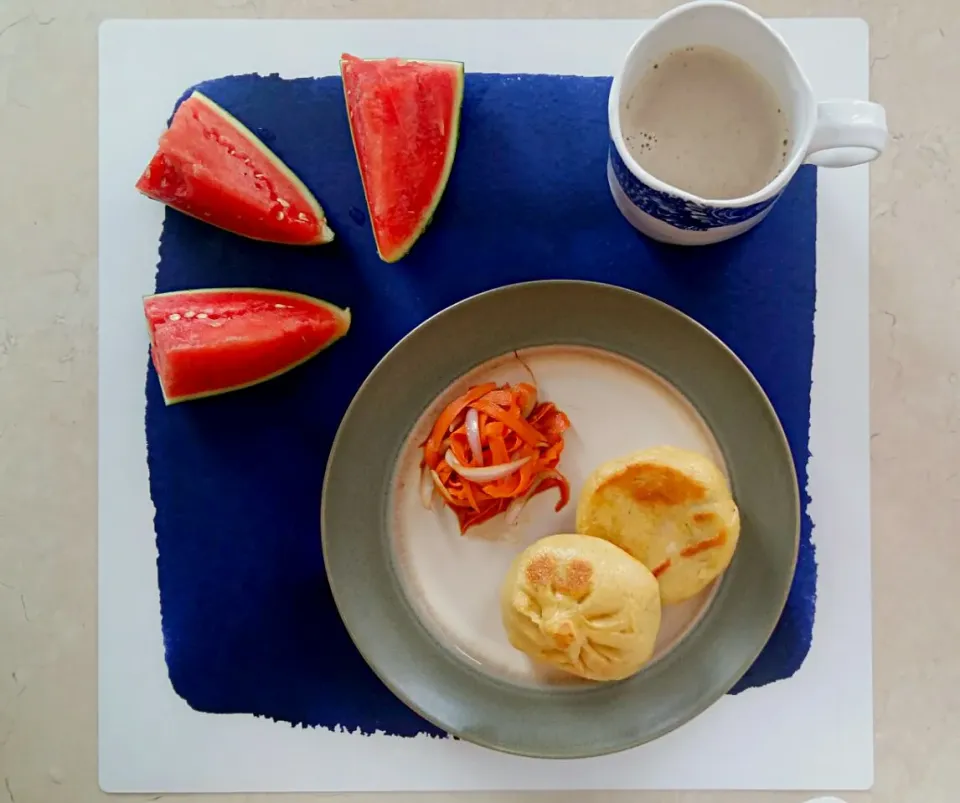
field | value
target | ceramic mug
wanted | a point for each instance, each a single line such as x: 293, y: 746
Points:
x: 832, y: 133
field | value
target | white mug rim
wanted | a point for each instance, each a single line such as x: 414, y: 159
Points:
x: 777, y: 183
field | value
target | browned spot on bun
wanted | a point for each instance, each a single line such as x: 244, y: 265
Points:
x: 702, y: 546
x: 541, y: 570
x: 653, y: 484
x: 576, y: 580
x: 704, y: 517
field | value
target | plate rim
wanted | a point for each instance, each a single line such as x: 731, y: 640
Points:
x: 664, y: 728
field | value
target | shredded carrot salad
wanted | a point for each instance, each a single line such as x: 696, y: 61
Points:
x: 491, y: 450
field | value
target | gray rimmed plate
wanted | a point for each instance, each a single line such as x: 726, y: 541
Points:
x: 420, y: 601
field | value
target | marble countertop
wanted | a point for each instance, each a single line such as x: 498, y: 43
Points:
x: 48, y: 372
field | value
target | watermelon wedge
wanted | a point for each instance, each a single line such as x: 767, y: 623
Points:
x: 404, y: 119
x: 211, y: 166
x: 205, y: 342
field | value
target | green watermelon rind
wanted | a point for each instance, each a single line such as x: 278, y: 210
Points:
x: 404, y: 248
x: 341, y: 313
x: 325, y: 234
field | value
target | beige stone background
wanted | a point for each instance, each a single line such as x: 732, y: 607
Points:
x: 48, y: 370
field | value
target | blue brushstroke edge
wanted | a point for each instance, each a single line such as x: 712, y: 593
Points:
x: 264, y: 696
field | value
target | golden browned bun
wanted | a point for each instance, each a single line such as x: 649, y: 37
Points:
x: 581, y: 605
x: 671, y: 509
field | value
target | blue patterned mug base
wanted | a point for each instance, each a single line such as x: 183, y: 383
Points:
x: 681, y: 213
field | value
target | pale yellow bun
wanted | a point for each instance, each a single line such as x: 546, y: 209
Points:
x: 581, y: 605
x: 671, y: 509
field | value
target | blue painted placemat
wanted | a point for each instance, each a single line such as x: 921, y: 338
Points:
x: 249, y: 625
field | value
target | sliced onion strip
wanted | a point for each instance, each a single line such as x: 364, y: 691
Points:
x: 483, y: 474
x: 472, y: 424
x: 426, y: 487
x: 438, y: 484
x: 531, y: 402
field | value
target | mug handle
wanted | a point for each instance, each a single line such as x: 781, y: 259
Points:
x: 848, y: 132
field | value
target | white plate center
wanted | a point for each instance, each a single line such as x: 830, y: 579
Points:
x: 615, y: 407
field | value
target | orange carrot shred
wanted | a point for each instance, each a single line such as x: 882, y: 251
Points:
x: 500, y: 396
x: 557, y: 482
x: 460, y: 447
x: 450, y: 412
x: 525, y: 430
x: 498, y: 450
x: 526, y: 394
x: 661, y: 568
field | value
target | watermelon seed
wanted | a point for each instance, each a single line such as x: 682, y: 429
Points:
x: 175, y: 316
x: 201, y: 315
x: 189, y: 313
x: 301, y: 216
x: 285, y: 204
x: 280, y: 215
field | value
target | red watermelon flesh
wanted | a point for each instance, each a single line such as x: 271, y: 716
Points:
x: 405, y: 119
x: 205, y: 342
x: 209, y: 165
